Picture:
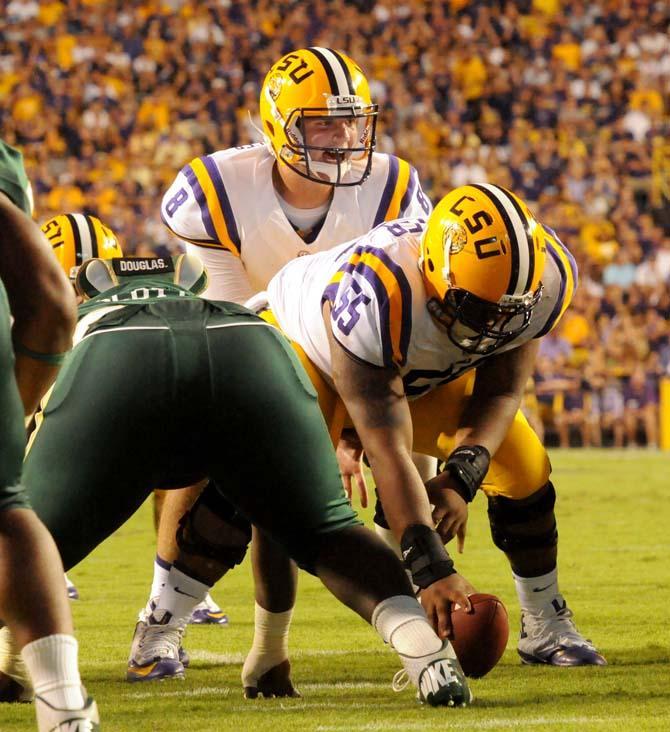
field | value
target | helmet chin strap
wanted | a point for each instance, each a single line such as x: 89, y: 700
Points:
x: 330, y: 170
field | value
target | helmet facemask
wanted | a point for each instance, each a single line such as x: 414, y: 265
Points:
x: 478, y: 326
x: 331, y: 165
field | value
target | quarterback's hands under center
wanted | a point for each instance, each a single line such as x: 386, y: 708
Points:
x: 438, y: 598
x: 349, y: 453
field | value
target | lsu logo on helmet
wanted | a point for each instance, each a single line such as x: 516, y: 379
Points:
x: 311, y: 90
x: 75, y: 238
x: 482, y: 259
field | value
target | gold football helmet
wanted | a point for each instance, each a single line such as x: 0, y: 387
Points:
x: 314, y: 100
x: 482, y: 257
x: 78, y: 237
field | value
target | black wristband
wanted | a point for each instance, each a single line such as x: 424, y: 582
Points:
x: 424, y: 555
x: 468, y: 465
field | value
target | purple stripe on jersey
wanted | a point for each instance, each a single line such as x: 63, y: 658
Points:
x: 566, y: 251
x: 407, y: 198
x: 384, y: 302
x: 387, y: 195
x: 199, y: 194
x: 220, y: 189
x: 561, y: 294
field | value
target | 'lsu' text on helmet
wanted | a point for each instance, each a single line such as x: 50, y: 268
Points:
x: 482, y: 257
x: 78, y: 237
x: 319, y: 84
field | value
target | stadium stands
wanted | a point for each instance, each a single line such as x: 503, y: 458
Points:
x: 565, y: 102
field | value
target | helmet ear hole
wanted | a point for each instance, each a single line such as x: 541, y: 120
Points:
x: 431, y: 266
x: 270, y: 127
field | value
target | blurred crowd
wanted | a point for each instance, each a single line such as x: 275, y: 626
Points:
x: 566, y: 102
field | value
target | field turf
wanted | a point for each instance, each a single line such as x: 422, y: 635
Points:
x: 614, y: 564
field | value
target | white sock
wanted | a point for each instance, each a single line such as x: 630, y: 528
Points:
x: 179, y: 596
x: 270, y: 646
x: 161, y: 571
x: 536, y: 593
x: 402, y: 623
x: 52, y: 664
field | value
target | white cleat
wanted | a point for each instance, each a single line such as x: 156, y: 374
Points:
x: 53, y: 719
x: 551, y: 637
x: 438, y: 677
x: 208, y: 613
x: 156, y: 653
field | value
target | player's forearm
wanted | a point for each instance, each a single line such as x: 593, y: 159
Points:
x: 40, y: 297
x: 496, y: 398
x: 42, y: 334
x: 400, y: 489
x: 41, y: 302
x: 228, y: 278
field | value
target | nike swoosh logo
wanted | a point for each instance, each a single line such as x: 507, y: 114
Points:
x: 181, y: 592
x: 535, y: 589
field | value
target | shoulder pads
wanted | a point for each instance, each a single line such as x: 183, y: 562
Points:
x: 96, y: 276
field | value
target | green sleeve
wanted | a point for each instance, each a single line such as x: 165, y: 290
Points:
x: 13, y: 178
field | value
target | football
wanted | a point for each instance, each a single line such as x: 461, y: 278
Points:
x: 479, y: 638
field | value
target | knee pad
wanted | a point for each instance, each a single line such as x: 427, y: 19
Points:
x: 214, y: 529
x: 526, y: 524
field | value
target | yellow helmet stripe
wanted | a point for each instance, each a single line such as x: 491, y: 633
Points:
x: 402, y: 183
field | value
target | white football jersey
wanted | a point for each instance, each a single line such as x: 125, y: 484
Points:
x: 225, y: 203
x: 378, y: 301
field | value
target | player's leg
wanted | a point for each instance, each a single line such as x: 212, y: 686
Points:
x: 114, y: 396
x: 266, y: 668
x: 523, y: 524
x: 427, y: 467
x: 174, y: 504
x: 87, y: 467
x: 276, y: 574
x: 33, y: 601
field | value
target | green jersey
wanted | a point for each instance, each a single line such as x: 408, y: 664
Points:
x: 14, y: 183
x: 13, y: 179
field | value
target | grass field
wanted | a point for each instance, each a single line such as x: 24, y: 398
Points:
x: 613, y: 516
